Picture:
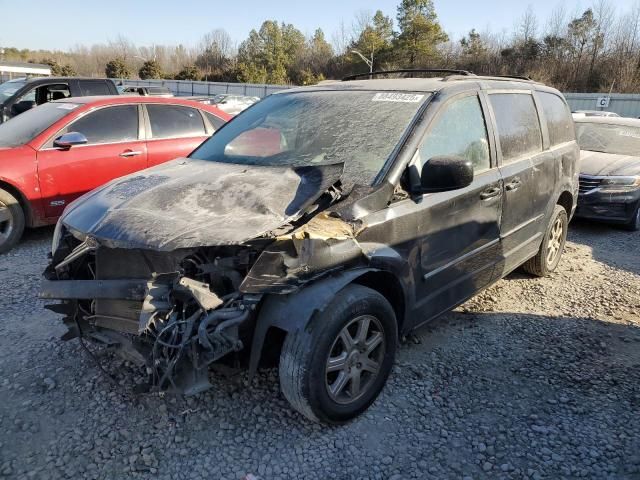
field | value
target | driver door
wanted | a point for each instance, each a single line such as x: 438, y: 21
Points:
x: 458, y: 232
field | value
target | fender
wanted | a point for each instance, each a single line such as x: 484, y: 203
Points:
x: 293, y: 311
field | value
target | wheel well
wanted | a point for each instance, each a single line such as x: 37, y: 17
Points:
x: 21, y: 199
x: 566, y: 202
x: 388, y: 286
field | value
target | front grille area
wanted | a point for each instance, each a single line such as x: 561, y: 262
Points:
x: 588, y: 183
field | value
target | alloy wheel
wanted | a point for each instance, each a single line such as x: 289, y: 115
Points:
x: 355, y: 359
x: 554, y: 244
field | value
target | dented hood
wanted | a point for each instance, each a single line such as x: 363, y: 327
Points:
x: 599, y: 163
x: 188, y: 203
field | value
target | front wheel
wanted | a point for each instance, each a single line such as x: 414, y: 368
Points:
x: 12, y: 221
x: 335, y: 368
x: 634, y: 223
x: 548, y: 257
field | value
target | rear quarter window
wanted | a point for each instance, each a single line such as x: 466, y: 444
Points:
x: 518, y: 125
x: 175, y: 121
x: 559, y: 121
x: 216, y: 122
x: 92, y: 87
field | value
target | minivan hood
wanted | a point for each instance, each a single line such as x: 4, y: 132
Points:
x: 189, y: 203
x: 603, y: 164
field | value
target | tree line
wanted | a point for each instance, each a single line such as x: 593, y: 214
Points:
x: 593, y: 49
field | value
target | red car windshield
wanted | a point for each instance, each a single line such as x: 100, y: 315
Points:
x: 608, y: 138
x: 28, y: 125
x: 357, y: 128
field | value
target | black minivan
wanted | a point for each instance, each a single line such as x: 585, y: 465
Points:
x: 319, y: 226
x: 19, y: 95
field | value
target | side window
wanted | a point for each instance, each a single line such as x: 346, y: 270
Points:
x: 30, y: 96
x: 518, y: 125
x: 108, y: 125
x: 216, y: 122
x: 172, y: 121
x: 94, y: 87
x: 558, y: 115
x: 459, y: 131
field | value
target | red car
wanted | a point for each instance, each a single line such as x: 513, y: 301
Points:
x: 56, y: 152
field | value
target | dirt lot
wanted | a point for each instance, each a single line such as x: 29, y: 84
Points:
x: 535, y: 378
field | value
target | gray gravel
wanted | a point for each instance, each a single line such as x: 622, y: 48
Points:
x: 535, y: 378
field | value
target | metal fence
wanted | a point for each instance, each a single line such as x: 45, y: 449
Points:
x: 186, y: 88
x: 624, y: 104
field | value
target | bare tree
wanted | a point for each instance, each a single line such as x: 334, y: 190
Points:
x: 527, y: 27
x: 214, y: 51
x: 341, y: 39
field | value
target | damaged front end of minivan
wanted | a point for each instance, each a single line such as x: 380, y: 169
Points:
x: 170, y: 267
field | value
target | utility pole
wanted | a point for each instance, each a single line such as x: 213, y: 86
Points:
x: 365, y: 59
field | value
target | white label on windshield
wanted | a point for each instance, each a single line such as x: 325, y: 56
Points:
x: 397, y: 97
x: 629, y: 133
x: 68, y: 106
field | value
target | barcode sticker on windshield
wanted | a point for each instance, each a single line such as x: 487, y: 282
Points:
x: 68, y: 106
x: 629, y: 133
x: 397, y: 97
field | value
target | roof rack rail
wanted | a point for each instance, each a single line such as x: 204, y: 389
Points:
x: 497, y: 78
x: 411, y: 71
x: 518, y: 77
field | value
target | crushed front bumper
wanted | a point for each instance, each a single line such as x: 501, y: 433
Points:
x: 150, y: 310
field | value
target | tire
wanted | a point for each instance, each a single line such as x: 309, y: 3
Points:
x: 634, y: 223
x: 544, y: 263
x: 304, y: 360
x: 12, y: 221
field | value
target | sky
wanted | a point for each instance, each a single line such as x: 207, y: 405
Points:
x: 65, y: 23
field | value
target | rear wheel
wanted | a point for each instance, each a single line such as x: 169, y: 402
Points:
x: 634, y: 223
x: 335, y: 368
x: 11, y: 221
x: 548, y: 257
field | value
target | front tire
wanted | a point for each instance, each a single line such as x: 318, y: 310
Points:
x: 12, y: 221
x: 634, y: 224
x: 335, y: 368
x: 548, y: 257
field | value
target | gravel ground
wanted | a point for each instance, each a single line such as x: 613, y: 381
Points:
x: 535, y: 378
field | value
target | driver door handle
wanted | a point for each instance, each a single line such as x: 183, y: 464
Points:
x: 513, y: 185
x: 130, y: 153
x: 490, y: 193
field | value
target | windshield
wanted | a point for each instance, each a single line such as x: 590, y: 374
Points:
x: 26, y: 126
x: 7, y: 89
x: 357, y: 128
x: 608, y: 138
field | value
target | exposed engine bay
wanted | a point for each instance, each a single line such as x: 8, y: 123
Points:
x: 175, y: 313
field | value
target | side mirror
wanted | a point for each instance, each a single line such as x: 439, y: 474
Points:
x: 21, y: 107
x: 444, y: 173
x: 70, y: 139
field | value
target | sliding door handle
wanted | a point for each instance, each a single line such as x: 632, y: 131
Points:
x: 513, y: 185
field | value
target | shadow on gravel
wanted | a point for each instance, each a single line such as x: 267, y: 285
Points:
x: 611, y: 244
x: 37, y: 234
